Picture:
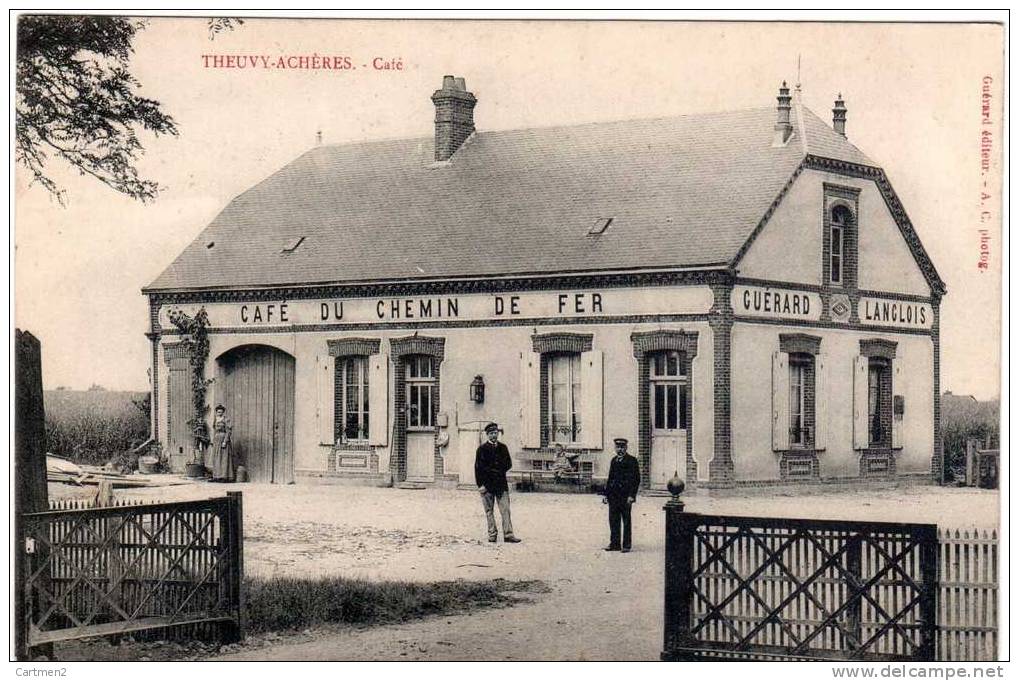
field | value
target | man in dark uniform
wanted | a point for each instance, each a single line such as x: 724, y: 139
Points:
x: 620, y: 493
x: 491, y: 462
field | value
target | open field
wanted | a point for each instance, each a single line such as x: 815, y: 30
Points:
x: 601, y: 605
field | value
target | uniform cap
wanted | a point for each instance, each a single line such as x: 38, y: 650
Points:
x: 491, y: 426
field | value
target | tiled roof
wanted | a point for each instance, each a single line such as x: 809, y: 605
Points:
x: 681, y: 192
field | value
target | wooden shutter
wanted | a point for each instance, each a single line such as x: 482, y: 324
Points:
x: 378, y: 399
x: 530, y: 399
x: 779, y: 401
x: 820, y: 402
x: 591, y: 389
x: 861, y: 433
x: 325, y: 391
x: 898, y: 387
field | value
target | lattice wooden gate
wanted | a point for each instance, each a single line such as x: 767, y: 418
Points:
x: 784, y: 589
x: 102, y: 571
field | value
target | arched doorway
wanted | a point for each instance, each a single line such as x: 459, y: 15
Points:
x: 257, y: 389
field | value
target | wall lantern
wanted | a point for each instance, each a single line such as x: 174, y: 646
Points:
x: 478, y: 389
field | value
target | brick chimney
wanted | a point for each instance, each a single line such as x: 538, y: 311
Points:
x: 783, y: 128
x: 838, y: 116
x: 454, y: 116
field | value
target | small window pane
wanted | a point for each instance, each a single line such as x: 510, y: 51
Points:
x: 659, y: 406
x: 671, y: 408
x: 672, y: 366
x: 682, y: 407
x: 659, y: 365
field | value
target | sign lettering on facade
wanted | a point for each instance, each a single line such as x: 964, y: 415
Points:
x: 899, y: 313
x: 774, y: 303
x: 471, y: 307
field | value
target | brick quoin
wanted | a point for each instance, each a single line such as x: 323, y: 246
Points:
x: 937, y: 457
x: 721, y: 470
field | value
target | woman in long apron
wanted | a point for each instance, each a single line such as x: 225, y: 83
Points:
x: 220, y: 457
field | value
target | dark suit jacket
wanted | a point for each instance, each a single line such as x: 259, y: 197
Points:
x: 491, y: 462
x: 624, y: 478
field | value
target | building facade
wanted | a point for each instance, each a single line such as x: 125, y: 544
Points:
x: 741, y: 295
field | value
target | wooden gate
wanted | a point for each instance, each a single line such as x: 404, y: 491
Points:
x: 102, y: 571
x: 784, y: 589
x: 258, y: 393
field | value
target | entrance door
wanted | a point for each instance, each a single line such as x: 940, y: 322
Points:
x: 258, y: 393
x: 669, y: 387
x: 422, y: 394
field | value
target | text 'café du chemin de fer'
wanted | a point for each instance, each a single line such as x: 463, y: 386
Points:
x: 741, y: 295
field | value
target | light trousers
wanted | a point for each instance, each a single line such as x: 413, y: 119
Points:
x: 489, y: 500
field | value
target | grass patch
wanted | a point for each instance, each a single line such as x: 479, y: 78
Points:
x: 284, y: 603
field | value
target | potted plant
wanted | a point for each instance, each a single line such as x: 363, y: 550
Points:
x: 196, y: 468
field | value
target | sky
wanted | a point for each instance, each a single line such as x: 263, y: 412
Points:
x: 913, y: 92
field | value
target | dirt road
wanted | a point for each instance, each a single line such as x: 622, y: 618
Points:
x: 601, y: 605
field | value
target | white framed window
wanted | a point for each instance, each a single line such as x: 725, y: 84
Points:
x: 564, y: 405
x: 799, y: 374
x: 352, y: 387
x: 878, y: 402
x: 840, y: 217
x: 669, y: 386
x: 422, y: 385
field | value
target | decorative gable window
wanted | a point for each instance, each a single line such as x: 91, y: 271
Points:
x: 839, y: 220
x: 840, y: 255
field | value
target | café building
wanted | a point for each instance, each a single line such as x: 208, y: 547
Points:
x: 742, y: 295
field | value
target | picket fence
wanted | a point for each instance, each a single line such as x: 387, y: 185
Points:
x: 968, y: 598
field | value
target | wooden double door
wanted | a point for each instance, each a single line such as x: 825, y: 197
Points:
x: 257, y: 389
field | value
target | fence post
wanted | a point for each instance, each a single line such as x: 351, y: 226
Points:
x: 30, y: 491
x: 854, y: 566
x: 234, y: 539
x: 679, y: 539
x: 930, y: 576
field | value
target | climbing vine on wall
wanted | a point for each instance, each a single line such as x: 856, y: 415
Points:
x: 195, y: 339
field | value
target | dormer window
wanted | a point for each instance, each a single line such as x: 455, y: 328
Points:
x: 839, y: 222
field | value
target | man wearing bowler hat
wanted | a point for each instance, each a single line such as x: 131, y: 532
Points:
x: 620, y: 493
x: 491, y: 462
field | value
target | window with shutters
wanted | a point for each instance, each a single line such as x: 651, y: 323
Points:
x: 563, y: 421
x: 422, y: 388
x: 799, y: 394
x: 669, y: 387
x: 352, y: 416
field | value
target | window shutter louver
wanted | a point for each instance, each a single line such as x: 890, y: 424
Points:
x: 779, y: 401
x: 861, y: 434
x: 325, y: 387
x: 530, y: 399
x: 591, y: 392
x: 820, y: 402
x: 378, y: 399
